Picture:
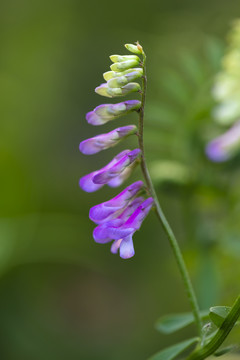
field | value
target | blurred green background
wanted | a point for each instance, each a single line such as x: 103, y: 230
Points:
x: 61, y: 295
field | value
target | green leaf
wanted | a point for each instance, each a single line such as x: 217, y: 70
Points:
x: 218, y: 314
x: 175, y: 85
x: 225, y: 350
x: 193, y: 67
x: 171, y: 323
x: 173, y: 351
x: 170, y: 171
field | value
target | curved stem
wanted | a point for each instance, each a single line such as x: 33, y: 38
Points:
x: 220, y: 336
x: 160, y: 214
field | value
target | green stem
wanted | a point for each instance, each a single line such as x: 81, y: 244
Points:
x: 222, y: 333
x: 160, y: 214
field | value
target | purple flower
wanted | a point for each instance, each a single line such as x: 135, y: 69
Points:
x: 106, y: 112
x: 105, y: 141
x: 86, y: 182
x: 117, y: 168
x: 121, y: 230
x: 224, y: 146
x: 108, y: 210
x: 107, y: 174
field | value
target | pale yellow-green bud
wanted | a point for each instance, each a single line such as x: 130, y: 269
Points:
x: 112, y: 74
x: 120, y: 58
x: 117, y: 82
x: 124, y: 65
x: 114, y: 91
x: 104, y: 90
x: 108, y: 75
x: 135, y: 49
x: 120, y: 81
x: 130, y: 87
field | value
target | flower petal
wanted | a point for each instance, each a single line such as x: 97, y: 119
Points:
x: 115, y: 246
x: 105, y: 211
x: 106, y: 175
x: 127, y: 248
x: 105, y: 141
x: 86, y: 182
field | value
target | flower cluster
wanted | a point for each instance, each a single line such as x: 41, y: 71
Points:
x: 119, y: 218
x: 226, y: 92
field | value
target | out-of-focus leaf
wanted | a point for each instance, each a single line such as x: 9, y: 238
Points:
x: 218, y: 314
x: 176, y: 87
x: 161, y: 114
x: 214, y: 52
x: 170, y: 171
x: 225, y: 350
x: 171, y: 323
x: 173, y: 351
x: 192, y: 67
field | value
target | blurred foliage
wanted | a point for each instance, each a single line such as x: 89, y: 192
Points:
x: 62, y: 296
x: 226, y: 88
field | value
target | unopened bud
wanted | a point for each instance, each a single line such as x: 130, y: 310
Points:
x: 108, y: 75
x: 112, y: 74
x: 105, y: 141
x: 120, y: 58
x: 135, y: 49
x: 104, y: 90
x: 124, y: 65
x: 106, y: 112
x: 123, y: 80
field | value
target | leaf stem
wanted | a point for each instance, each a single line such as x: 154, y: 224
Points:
x: 150, y: 188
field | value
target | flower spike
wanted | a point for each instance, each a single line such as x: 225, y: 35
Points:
x: 117, y: 219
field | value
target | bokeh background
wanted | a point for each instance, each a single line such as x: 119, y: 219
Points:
x: 61, y: 295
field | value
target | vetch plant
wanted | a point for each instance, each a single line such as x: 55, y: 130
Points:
x: 119, y: 218
x: 226, y: 92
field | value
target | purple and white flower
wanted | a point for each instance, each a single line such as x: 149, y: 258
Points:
x: 121, y: 229
x: 108, y: 210
x: 120, y: 217
x: 106, y: 112
x: 106, y: 174
x: 114, y: 169
x: 105, y: 141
